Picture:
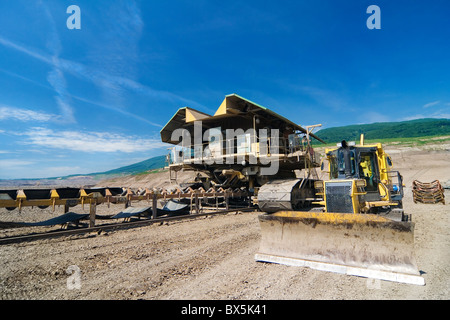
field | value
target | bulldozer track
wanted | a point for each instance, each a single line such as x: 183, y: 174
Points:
x: 113, y: 226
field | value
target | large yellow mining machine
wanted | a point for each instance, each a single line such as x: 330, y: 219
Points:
x: 243, y: 145
x: 351, y: 223
x: 360, y: 227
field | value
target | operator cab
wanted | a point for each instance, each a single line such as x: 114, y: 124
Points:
x: 350, y: 162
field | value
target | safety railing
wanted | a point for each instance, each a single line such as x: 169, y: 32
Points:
x: 240, y: 146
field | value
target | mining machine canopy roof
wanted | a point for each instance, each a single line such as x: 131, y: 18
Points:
x: 234, y: 112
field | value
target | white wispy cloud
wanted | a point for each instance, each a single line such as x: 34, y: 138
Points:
x: 324, y: 97
x: 122, y: 20
x: 101, y: 78
x: 372, y: 116
x: 430, y: 104
x: 89, y: 101
x: 14, y: 163
x: 89, y: 141
x: 56, y: 77
x: 115, y: 64
x: 13, y: 113
x: 440, y: 110
x: 59, y: 171
x: 11, y: 168
x: 116, y: 109
x: 32, y: 52
x: 438, y: 114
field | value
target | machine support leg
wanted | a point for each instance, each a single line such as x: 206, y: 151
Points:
x: 154, y: 206
x: 197, y: 207
x: 92, y: 211
x: 227, y: 201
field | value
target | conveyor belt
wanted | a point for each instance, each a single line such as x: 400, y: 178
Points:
x: 70, y: 197
x: 107, y: 227
x: 63, y: 219
x: 60, y: 220
x: 131, y: 212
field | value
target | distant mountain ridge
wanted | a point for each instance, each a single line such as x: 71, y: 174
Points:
x: 387, y: 130
x: 157, y: 162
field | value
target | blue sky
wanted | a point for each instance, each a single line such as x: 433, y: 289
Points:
x: 94, y: 99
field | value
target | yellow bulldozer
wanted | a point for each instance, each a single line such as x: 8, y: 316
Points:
x: 359, y: 228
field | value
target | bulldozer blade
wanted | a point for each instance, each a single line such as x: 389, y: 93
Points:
x: 364, y: 245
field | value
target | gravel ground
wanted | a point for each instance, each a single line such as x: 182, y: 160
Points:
x: 213, y: 257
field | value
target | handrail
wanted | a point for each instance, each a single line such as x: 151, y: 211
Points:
x: 247, y: 148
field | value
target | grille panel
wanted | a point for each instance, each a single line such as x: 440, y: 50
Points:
x: 338, y: 195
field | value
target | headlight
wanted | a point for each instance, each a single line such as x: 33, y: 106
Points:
x: 361, y: 183
x: 318, y: 184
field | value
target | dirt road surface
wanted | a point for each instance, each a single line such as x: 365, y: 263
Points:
x: 213, y: 257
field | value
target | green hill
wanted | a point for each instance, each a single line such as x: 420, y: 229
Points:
x: 139, y: 167
x: 387, y: 130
